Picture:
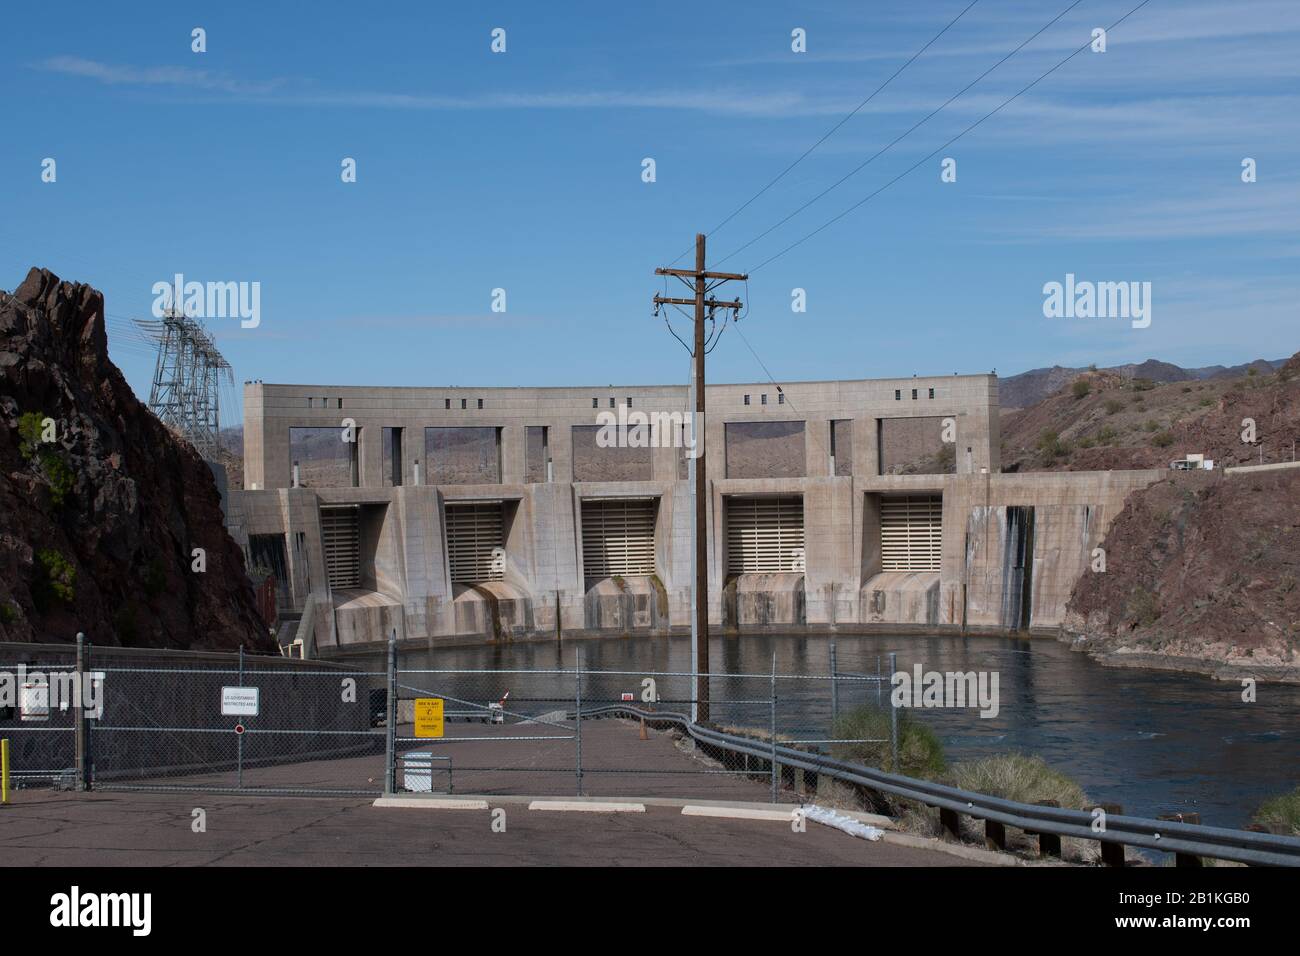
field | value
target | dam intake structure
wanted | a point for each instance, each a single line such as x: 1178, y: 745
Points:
x: 500, y: 514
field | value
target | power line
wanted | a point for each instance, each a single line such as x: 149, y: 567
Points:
x: 880, y: 152
x: 931, y: 155
x: 924, y: 159
x: 831, y: 132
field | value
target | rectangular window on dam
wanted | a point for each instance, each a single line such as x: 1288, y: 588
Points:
x: 462, y: 456
x: 765, y: 450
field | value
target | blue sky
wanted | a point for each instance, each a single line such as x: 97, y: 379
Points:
x: 522, y: 170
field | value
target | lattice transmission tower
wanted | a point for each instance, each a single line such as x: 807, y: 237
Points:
x: 187, y: 378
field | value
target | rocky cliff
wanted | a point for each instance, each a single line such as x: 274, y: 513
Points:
x: 101, y: 506
x: 1202, y: 573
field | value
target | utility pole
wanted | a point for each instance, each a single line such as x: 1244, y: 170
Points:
x: 698, y: 279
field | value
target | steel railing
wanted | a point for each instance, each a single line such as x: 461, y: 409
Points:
x: 1186, y: 839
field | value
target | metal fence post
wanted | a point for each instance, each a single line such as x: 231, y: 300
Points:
x: 90, y: 728
x: 390, y: 730
x: 79, y: 715
x: 239, y: 738
x: 893, y: 716
x: 773, y: 728
x: 835, y: 690
x: 577, y: 671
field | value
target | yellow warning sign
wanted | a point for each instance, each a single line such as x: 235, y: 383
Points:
x: 428, y: 717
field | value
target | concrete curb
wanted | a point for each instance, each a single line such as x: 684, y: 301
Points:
x: 436, y: 803
x: 725, y: 809
x: 782, y: 811
x: 586, y: 806
x: 739, y: 813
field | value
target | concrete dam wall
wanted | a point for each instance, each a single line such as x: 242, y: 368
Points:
x: 549, y: 530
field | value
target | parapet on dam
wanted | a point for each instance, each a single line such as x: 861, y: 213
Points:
x: 500, y: 513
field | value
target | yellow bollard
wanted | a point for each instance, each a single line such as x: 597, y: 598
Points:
x: 4, y: 771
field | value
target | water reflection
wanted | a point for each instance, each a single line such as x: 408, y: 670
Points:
x: 1152, y: 741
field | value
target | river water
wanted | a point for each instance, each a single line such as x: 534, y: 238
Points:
x: 1153, y: 741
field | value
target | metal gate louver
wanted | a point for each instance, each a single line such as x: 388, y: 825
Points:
x: 911, y: 532
x: 765, y: 534
x: 474, y: 532
x: 618, y: 537
x: 341, y: 535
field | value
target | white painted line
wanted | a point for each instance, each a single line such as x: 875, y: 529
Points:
x: 739, y: 813
x: 432, y: 803
x: 582, y: 806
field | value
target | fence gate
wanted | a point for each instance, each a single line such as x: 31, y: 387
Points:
x: 235, y: 729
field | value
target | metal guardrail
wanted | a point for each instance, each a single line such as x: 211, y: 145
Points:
x: 1167, y: 836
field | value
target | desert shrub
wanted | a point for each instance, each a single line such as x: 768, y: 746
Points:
x: 1281, y: 814
x: 1080, y: 388
x: 57, y: 473
x: 1017, y: 776
x: 1151, y: 425
x: 920, y: 754
x: 1163, y: 440
x: 55, y: 579
x: 1051, y: 446
x: 29, y: 433
x: 1106, y: 435
x: 1113, y: 406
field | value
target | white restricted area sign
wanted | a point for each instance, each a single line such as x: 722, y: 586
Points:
x: 240, y: 701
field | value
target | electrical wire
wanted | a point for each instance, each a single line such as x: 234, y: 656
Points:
x: 831, y: 132
x: 915, y: 126
x: 931, y: 155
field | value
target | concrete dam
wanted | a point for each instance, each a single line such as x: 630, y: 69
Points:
x: 498, y: 513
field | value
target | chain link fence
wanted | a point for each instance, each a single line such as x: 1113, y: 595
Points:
x: 38, y: 719
x: 571, y: 731
x: 242, y: 728
x: 230, y: 723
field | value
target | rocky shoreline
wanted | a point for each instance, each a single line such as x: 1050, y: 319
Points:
x: 1110, y: 652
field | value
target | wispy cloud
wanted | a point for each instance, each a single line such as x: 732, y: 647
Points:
x: 165, y: 76
x: 281, y: 92
x: 984, y: 33
x: 1245, y: 209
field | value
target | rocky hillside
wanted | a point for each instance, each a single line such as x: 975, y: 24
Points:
x: 1202, y: 567
x: 1029, y: 388
x: 1202, y: 572
x: 1102, y: 420
x: 100, y: 505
